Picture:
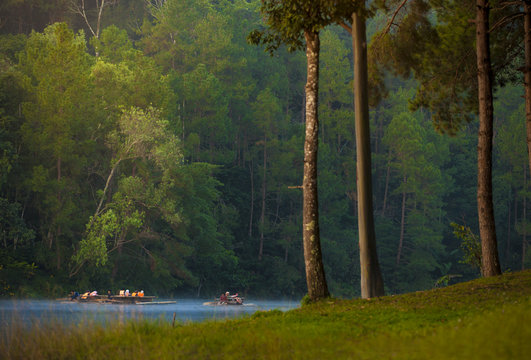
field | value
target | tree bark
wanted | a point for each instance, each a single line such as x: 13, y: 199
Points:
x: 251, y: 210
x: 315, y: 276
x: 527, y: 74
x: 490, y: 264
x: 388, y: 173
x: 524, y: 218
x: 508, y: 244
x: 262, y: 215
x: 105, y: 189
x: 402, y: 225
x: 527, y: 85
x: 371, y: 277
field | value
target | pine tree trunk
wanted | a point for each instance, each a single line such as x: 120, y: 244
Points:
x: 315, y: 276
x: 388, y: 173
x: 371, y: 277
x: 251, y: 210
x: 527, y: 74
x: 490, y: 264
x: 262, y: 215
x: 527, y: 85
x: 105, y: 189
x: 402, y: 225
x: 524, y: 218
x: 508, y: 244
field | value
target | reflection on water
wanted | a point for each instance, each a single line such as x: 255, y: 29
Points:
x: 35, y: 312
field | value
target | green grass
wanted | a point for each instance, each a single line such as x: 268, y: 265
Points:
x: 483, y: 319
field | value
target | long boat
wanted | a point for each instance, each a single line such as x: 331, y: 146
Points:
x: 117, y: 299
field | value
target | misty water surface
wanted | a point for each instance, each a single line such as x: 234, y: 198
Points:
x: 35, y: 312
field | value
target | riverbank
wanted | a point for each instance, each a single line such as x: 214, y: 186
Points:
x: 485, y: 318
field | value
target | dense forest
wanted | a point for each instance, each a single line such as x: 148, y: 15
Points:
x: 148, y: 145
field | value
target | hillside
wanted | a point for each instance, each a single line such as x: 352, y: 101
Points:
x: 484, y: 318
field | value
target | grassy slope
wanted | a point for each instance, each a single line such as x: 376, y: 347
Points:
x: 486, y: 318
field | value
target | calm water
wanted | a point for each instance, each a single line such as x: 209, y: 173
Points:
x: 35, y: 312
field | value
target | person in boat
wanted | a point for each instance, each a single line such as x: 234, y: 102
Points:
x: 135, y: 293
x: 126, y: 292
x: 94, y: 293
x: 109, y: 294
x: 141, y: 293
x: 85, y: 295
x: 74, y: 295
x: 223, y: 298
x: 236, y: 298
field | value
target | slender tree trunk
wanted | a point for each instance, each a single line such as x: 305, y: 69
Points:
x: 303, y: 111
x: 183, y: 114
x: 315, y: 275
x: 524, y: 218
x: 490, y: 264
x: 58, y: 253
x: 251, y: 212
x: 58, y: 230
x: 515, y: 212
x: 105, y: 189
x: 527, y: 85
x: 402, y: 225
x: 527, y: 74
x: 508, y: 245
x: 262, y: 215
x: 119, y: 247
x: 384, y: 206
x: 371, y: 277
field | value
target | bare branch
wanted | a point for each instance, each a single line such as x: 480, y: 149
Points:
x: 102, y: 4
x: 505, y: 20
x: 76, y: 269
x: 76, y: 8
x: 154, y: 5
x: 505, y: 4
x: 391, y: 21
x: 80, y: 10
x: 346, y: 27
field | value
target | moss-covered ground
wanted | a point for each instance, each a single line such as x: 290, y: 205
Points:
x: 482, y: 319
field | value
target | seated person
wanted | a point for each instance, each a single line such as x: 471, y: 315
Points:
x: 74, y: 295
x: 141, y: 293
x: 94, y: 293
x: 223, y: 298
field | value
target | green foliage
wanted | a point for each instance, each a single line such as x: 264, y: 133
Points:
x: 14, y: 274
x: 470, y: 245
x: 306, y: 300
x: 445, y: 280
x: 14, y: 230
x: 107, y: 227
x: 167, y: 128
x: 288, y: 20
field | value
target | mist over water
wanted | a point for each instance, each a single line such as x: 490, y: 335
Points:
x: 37, y: 312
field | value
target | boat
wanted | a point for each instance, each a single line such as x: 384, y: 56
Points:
x: 231, y: 300
x: 116, y: 299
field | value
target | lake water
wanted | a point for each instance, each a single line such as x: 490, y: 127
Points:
x: 35, y: 312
